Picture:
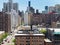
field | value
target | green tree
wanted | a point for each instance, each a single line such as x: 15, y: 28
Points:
x: 3, y: 36
x: 14, y: 40
x: 44, y: 31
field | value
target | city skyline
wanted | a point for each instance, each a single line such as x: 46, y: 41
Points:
x: 40, y: 4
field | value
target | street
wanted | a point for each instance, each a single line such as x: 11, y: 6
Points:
x: 8, y: 40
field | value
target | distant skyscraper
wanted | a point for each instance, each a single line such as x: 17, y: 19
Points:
x: 15, y: 6
x: 51, y: 9
x: 37, y: 11
x: 46, y: 7
x: 46, y: 10
x: 27, y: 14
x: 29, y: 3
x: 29, y: 8
x: 10, y: 0
x: 57, y: 6
x: 7, y: 7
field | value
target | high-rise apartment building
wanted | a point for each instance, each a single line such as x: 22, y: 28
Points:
x: 14, y: 20
x: 28, y: 13
x: 5, y: 22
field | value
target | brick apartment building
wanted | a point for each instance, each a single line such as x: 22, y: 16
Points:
x: 5, y: 22
x: 47, y: 20
x: 31, y: 37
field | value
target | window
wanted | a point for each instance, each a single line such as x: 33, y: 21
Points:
x: 34, y: 40
x: 22, y: 37
x: 21, y: 44
x: 27, y: 37
x: 35, y: 37
x: 27, y: 41
x: 27, y: 44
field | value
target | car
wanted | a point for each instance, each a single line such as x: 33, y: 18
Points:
x: 2, y: 43
x: 4, y: 40
x: 8, y: 41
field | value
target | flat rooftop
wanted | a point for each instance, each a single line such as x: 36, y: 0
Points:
x: 56, y: 30
x: 57, y: 33
x: 1, y: 32
x: 29, y: 32
x: 47, y: 40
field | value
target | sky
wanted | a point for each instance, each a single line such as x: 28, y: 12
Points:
x: 36, y: 4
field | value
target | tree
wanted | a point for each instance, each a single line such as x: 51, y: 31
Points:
x: 44, y: 31
x: 14, y: 40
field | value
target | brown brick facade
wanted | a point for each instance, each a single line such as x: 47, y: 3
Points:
x: 30, y: 40
x: 47, y: 19
x: 5, y: 22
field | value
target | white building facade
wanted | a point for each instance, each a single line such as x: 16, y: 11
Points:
x: 14, y: 19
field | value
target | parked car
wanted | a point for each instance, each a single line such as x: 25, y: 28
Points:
x: 2, y: 43
x: 8, y: 41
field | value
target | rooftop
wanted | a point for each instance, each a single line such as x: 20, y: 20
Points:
x: 56, y: 30
x: 35, y: 31
x: 47, y: 40
x: 57, y: 33
x: 29, y: 32
x: 1, y: 32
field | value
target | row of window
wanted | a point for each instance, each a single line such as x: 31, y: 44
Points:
x: 32, y: 44
x: 31, y: 37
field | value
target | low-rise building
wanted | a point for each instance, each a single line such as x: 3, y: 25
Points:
x: 29, y: 37
x: 56, y: 38
x: 54, y: 35
x: 47, y: 42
